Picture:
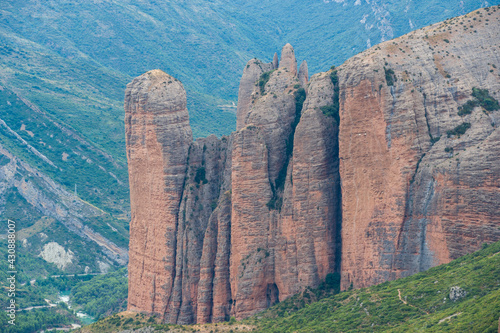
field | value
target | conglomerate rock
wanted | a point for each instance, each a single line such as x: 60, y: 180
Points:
x: 373, y: 177
x: 414, y: 196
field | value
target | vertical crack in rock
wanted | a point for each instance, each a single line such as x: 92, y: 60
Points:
x: 426, y: 114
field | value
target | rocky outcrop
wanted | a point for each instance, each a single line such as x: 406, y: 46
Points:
x: 308, y: 241
x: 415, y: 193
x: 303, y: 74
x: 158, y: 139
x: 275, y: 60
x: 253, y: 70
x: 233, y: 235
x: 288, y: 61
x: 361, y: 171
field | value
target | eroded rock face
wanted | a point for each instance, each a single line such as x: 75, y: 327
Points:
x: 158, y: 137
x: 288, y: 60
x: 218, y: 228
x: 308, y: 241
x: 251, y: 73
x: 412, y: 196
x: 56, y: 254
x: 303, y: 73
x: 228, y: 227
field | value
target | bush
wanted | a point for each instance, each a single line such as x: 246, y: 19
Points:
x: 264, y: 78
x: 467, y: 108
x: 485, y: 100
x: 459, y: 130
x: 200, y: 176
x: 482, y: 98
x: 331, y: 111
x: 390, y: 77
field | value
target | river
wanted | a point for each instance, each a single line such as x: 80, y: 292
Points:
x: 84, y: 318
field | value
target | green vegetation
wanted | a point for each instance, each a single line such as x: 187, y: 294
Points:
x: 28, y: 267
x: 102, y: 295
x: 434, y: 139
x: 333, y: 110
x: 200, y: 176
x: 390, y: 77
x: 276, y: 201
x: 428, y: 305
x: 467, y: 108
x: 484, y: 99
x: 328, y: 288
x: 95, y: 295
x: 127, y: 321
x: 462, y: 296
x: 99, y: 179
x: 459, y: 130
x: 264, y: 78
x: 38, y: 319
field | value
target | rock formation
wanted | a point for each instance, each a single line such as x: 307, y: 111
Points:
x: 367, y: 171
x: 415, y: 192
x: 303, y: 73
x: 158, y: 138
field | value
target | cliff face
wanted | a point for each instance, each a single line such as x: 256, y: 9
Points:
x: 414, y: 196
x: 361, y: 171
x: 158, y: 139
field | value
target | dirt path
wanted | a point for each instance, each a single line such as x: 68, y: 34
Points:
x: 400, y: 298
x: 406, y: 303
x: 449, y: 317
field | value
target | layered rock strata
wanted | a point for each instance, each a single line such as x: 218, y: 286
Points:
x: 367, y: 170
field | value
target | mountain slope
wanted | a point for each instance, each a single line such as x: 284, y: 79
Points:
x: 461, y: 296
x: 379, y: 169
x: 457, y: 297
x: 111, y: 41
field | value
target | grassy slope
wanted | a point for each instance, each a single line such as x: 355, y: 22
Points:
x: 428, y: 305
x: 72, y: 163
x: 374, y: 309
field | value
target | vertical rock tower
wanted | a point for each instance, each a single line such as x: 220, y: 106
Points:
x: 219, y: 228
x: 158, y: 138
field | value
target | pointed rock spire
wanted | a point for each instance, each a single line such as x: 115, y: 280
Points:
x: 251, y: 73
x: 275, y: 61
x: 288, y: 60
x: 303, y: 74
